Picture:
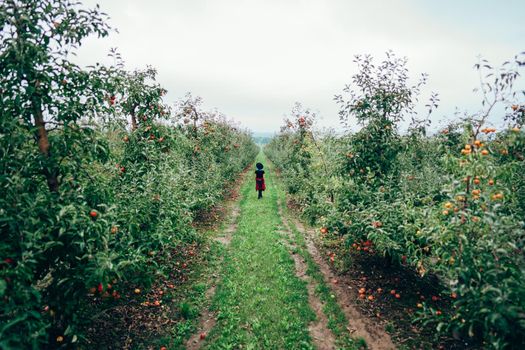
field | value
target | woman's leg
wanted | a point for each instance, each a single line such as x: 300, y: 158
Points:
x: 260, y: 195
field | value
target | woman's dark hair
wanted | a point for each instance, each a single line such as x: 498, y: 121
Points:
x: 259, y: 166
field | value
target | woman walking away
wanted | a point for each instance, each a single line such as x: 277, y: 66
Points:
x: 259, y: 179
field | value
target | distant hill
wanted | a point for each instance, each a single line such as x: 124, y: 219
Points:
x: 262, y: 137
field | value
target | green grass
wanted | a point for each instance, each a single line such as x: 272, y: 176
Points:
x: 260, y: 302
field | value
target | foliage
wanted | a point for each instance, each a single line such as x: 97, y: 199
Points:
x: 382, y: 100
x: 88, y: 203
x: 450, y: 204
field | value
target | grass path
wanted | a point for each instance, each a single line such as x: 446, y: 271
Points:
x: 270, y: 293
x: 260, y: 302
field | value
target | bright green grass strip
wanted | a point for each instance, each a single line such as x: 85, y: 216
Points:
x: 260, y: 302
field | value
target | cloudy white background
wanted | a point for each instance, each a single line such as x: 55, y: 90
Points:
x: 253, y: 59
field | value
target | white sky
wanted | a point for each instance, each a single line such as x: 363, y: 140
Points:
x: 253, y: 59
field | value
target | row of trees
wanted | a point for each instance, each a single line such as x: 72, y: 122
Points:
x: 451, y: 203
x: 99, y: 178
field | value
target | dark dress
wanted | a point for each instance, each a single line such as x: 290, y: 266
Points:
x: 259, y: 182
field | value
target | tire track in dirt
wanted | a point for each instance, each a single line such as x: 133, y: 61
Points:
x: 208, y: 318
x: 322, y: 336
x: 359, y: 325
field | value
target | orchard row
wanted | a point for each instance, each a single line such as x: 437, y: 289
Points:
x: 450, y: 204
x: 100, y: 180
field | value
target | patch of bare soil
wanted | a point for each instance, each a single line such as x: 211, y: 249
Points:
x: 226, y: 237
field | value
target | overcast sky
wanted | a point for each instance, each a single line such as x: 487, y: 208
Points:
x: 253, y: 59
